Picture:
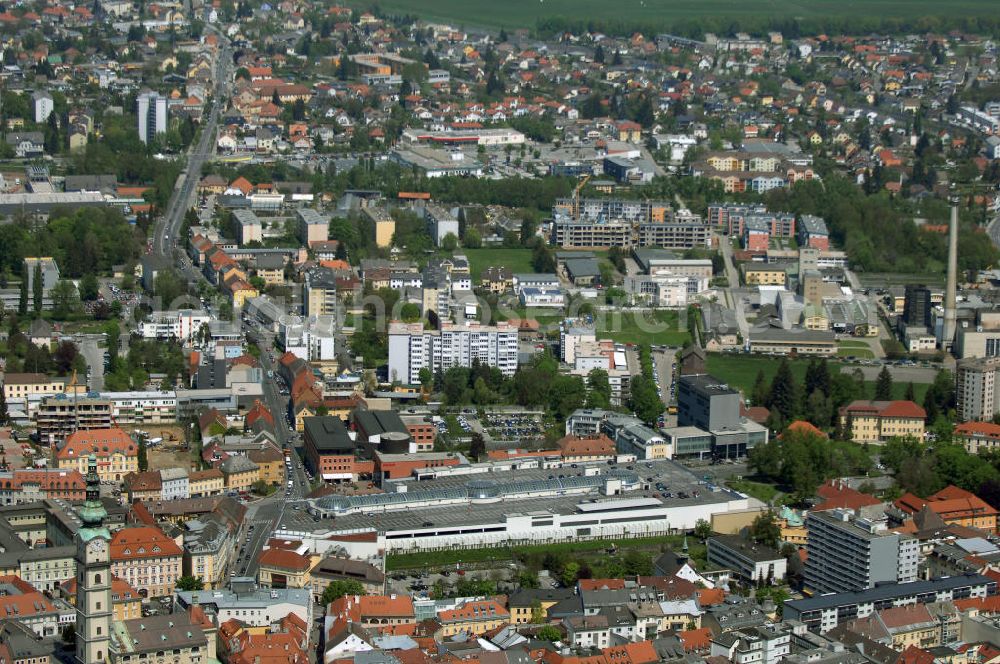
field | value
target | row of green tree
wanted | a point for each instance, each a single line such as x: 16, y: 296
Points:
x: 877, y: 231
x: 819, y: 397
x: 916, y: 21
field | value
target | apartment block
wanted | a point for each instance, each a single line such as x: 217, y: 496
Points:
x: 385, y: 225
x: 180, y: 324
x: 313, y: 227
x: 59, y: 416
x: 850, y: 554
x: 248, y: 226
x: 753, y: 563
x: 976, y: 394
x: 412, y: 348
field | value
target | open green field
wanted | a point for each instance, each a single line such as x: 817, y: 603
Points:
x: 854, y: 349
x: 524, y: 13
x: 517, y: 259
x: 759, y: 490
x: 740, y: 371
x: 656, y: 327
x: 598, y: 547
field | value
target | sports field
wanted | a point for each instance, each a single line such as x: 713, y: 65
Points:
x: 524, y: 13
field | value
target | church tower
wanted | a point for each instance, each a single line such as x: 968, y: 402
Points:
x: 93, y: 576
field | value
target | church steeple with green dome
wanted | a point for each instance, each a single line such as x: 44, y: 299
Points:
x: 93, y: 513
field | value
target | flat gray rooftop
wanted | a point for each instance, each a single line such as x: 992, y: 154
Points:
x: 676, y: 478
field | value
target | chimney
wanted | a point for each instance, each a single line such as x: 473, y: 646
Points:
x: 950, y: 313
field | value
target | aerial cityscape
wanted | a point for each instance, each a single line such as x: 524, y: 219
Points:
x: 431, y: 332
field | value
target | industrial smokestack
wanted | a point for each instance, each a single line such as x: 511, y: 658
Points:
x: 950, y: 313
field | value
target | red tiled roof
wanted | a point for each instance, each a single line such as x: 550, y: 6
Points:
x: 804, y: 427
x: 284, y: 559
x: 142, y: 542
x: 949, y: 503
x: 906, y: 409
x: 482, y: 610
x: 599, y: 445
x: 837, y: 494
x: 979, y: 429
x: 100, y: 442
x: 988, y: 605
x: 902, y: 616
x: 362, y: 607
x: 695, y: 640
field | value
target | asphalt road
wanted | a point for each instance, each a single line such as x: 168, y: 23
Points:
x: 167, y: 229
x: 266, y: 515
x: 663, y: 365
x: 92, y: 352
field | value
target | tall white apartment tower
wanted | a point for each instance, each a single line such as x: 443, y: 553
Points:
x: 152, y: 115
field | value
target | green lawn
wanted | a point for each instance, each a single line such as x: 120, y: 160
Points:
x: 543, y: 316
x: 524, y: 13
x: 863, y: 353
x: 424, y: 559
x: 740, y: 371
x: 658, y: 327
x: 517, y: 259
x: 854, y: 349
x: 759, y: 490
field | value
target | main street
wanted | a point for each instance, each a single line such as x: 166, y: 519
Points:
x: 267, y: 514
x: 167, y: 228
x: 263, y: 515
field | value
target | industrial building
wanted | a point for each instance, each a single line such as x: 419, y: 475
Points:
x: 536, y: 502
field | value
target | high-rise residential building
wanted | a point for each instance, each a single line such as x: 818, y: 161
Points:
x: 93, y: 591
x: 151, y: 113
x: 848, y: 553
x: 976, y: 395
x: 412, y: 348
x: 43, y: 104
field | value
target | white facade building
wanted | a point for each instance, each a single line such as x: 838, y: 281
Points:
x: 43, y: 106
x: 312, y: 338
x: 181, y: 324
x: 152, y: 115
x: 412, y: 348
x: 137, y: 407
x: 174, y: 484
